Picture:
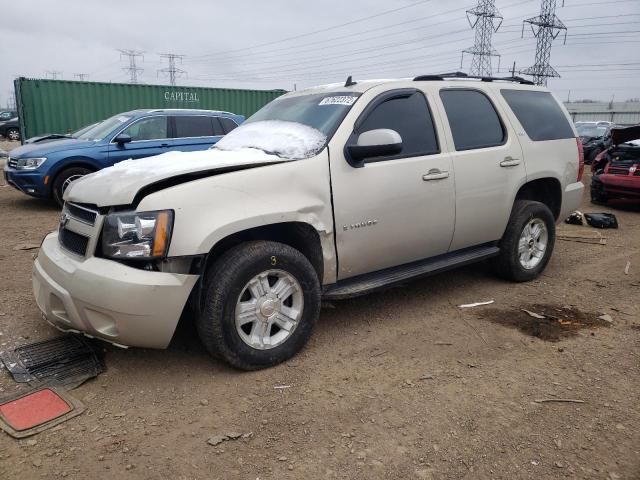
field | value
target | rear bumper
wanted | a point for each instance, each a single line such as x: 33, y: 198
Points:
x: 616, y: 185
x: 107, y: 300
x: 571, y: 199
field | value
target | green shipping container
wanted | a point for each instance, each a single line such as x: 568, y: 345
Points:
x: 63, y: 106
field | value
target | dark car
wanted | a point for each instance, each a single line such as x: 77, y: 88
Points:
x: 593, y: 136
x: 616, y: 171
x: 45, y: 169
x: 9, y: 125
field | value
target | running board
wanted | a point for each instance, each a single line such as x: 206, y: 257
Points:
x: 369, y: 282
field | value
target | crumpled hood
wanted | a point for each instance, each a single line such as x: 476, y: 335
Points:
x: 118, y: 185
x: 622, y: 135
x: 43, y: 149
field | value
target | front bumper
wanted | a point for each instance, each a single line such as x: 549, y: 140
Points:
x: 30, y: 182
x: 106, y: 299
x: 571, y: 199
x: 616, y: 185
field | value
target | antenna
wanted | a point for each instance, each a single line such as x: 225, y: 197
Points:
x: 545, y: 27
x: 172, y: 70
x: 487, y: 21
x: 133, y: 68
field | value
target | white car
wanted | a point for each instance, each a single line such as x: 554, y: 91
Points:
x: 329, y: 192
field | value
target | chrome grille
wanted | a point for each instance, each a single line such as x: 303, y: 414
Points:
x: 80, y: 213
x: 72, y: 241
x: 12, y: 162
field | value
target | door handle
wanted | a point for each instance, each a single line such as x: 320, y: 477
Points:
x: 435, y: 174
x: 510, y: 162
x: 164, y: 145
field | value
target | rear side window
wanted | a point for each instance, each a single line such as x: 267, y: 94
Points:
x: 539, y: 113
x: 408, y: 115
x: 473, y: 120
x: 227, y: 124
x: 193, y: 126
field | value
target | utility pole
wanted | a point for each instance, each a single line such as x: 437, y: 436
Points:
x: 53, y: 74
x: 545, y: 27
x: 133, y: 68
x: 81, y: 76
x: 487, y: 21
x: 172, y: 70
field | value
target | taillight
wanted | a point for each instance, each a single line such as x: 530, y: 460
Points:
x: 580, y: 159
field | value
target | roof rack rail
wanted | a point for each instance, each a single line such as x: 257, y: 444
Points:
x: 444, y: 76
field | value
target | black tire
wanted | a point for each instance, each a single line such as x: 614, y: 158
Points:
x: 13, y: 134
x: 59, y: 182
x: 598, y: 198
x: 224, y: 283
x: 507, y: 265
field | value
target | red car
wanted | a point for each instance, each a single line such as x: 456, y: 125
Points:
x: 616, y: 171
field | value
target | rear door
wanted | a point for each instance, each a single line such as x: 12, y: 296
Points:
x: 149, y: 136
x: 195, y: 132
x: 487, y: 161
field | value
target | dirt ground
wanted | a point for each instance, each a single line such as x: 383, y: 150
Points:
x: 396, y: 385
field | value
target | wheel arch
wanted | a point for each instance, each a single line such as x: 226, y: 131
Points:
x: 547, y: 190
x: 74, y: 162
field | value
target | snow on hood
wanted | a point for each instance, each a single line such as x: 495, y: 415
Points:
x: 119, y: 184
x: 290, y: 140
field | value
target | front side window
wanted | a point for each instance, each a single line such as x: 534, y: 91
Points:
x: 541, y: 116
x: 473, y: 119
x: 194, y: 126
x: 409, y: 115
x: 227, y: 124
x: 151, y: 128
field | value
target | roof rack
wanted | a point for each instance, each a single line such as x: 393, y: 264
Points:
x: 445, y: 76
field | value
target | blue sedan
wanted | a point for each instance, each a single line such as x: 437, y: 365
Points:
x: 44, y: 170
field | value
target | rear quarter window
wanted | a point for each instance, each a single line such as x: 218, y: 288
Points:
x: 539, y: 114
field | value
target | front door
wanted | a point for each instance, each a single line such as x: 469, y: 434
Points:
x: 149, y: 136
x: 397, y: 209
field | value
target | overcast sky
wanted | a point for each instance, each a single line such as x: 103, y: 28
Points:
x: 249, y: 44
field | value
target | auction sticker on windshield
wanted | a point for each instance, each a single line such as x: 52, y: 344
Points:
x: 338, y: 100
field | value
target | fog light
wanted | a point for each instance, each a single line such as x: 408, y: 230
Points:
x: 31, y: 190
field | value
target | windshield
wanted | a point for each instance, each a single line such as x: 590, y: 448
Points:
x: 102, y: 129
x: 591, y: 130
x: 293, y: 127
x: 83, y: 130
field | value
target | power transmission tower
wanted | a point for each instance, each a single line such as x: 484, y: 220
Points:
x: 545, y: 27
x: 81, y: 76
x: 53, y: 74
x: 487, y: 21
x: 172, y: 70
x: 11, y: 101
x: 133, y: 68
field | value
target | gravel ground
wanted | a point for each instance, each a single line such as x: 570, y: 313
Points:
x: 401, y: 384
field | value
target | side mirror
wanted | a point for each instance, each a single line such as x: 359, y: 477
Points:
x: 381, y: 142
x: 122, y: 139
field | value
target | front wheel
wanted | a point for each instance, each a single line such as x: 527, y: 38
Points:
x: 261, y: 302
x: 13, y: 134
x: 527, y: 244
x: 63, y: 180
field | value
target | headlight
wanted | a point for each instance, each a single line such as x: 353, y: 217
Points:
x: 30, y: 163
x: 133, y: 235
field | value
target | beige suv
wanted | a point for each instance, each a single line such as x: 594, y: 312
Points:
x: 330, y: 192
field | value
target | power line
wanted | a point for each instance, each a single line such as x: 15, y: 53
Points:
x: 487, y: 21
x: 133, y: 68
x: 172, y: 70
x: 53, y: 74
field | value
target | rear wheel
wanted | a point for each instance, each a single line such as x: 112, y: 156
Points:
x: 527, y: 244
x: 13, y: 134
x: 261, y: 302
x: 63, y: 180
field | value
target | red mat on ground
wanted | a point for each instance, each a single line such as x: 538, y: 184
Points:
x: 34, y: 409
